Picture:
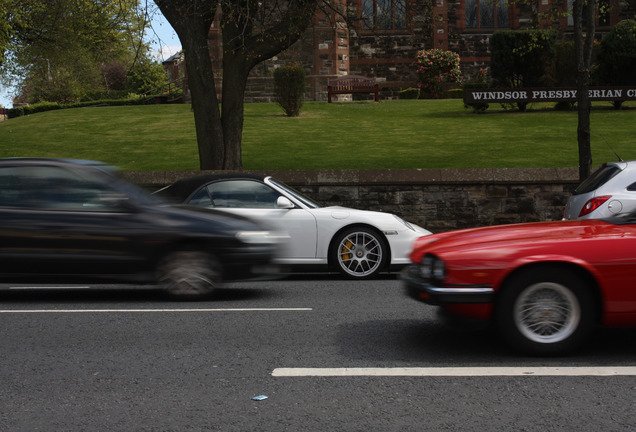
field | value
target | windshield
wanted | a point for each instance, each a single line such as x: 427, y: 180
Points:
x: 294, y: 193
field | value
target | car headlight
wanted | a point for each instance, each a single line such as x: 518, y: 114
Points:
x: 261, y: 237
x: 432, y: 268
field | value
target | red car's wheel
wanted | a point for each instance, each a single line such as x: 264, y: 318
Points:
x: 545, y: 311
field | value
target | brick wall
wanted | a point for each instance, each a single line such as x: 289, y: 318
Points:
x: 439, y: 200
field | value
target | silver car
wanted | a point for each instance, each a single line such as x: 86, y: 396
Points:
x: 608, y: 191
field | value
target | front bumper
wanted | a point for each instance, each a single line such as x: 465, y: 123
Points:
x: 422, y: 290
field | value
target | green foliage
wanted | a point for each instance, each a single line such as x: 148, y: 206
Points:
x: 456, y: 93
x: 63, y: 49
x: 146, y: 77
x: 289, y: 87
x: 521, y: 58
x: 617, y: 55
x: 480, y: 81
x: 436, y: 68
x: 409, y: 93
x: 50, y: 106
x: 563, y: 71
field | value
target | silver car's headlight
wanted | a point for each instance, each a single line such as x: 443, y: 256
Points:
x: 432, y: 268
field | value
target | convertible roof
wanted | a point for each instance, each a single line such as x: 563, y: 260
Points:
x: 183, y: 188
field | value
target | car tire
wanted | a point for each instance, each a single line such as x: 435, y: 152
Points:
x: 359, y: 253
x: 545, y: 311
x: 189, y: 274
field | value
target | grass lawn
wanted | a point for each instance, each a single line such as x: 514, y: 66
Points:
x: 387, y: 135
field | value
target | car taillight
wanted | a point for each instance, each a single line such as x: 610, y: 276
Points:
x: 593, y: 204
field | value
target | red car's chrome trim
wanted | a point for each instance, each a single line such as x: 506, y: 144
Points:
x: 423, y: 290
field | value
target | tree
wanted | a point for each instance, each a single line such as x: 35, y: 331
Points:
x: 584, y: 45
x: 61, y: 48
x: 617, y: 56
x: 520, y: 58
x: 253, y: 31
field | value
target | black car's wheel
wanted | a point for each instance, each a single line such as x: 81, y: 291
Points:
x: 359, y: 253
x: 189, y: 275
x: 545, y: 311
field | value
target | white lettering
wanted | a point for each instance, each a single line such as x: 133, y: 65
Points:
x: 631, y: 93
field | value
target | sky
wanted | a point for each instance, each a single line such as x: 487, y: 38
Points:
x: 163, y: 40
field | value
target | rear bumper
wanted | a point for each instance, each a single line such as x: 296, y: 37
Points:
x: 421, y: 290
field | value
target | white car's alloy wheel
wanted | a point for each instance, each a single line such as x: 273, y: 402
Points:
x: 360, y: 253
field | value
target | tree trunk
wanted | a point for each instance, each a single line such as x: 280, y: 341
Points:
x: 247, y: 41
x: 584, y: 46
x: 207, y: 117
x: 234, y: 82
x: 191, y: 22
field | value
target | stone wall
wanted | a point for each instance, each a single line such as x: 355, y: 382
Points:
x: 439, y: 200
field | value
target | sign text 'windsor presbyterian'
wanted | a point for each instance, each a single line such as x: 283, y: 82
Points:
x: 547, y: 94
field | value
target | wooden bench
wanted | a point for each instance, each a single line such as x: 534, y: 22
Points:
x: 350, y: 84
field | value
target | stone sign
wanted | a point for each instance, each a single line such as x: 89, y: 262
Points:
x: 504, y: 95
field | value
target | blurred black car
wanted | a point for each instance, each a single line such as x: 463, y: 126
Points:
x: 65, y: 221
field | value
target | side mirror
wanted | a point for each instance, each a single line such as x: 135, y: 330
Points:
x: 284, y: 203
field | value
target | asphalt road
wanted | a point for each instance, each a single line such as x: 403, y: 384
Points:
x: 127, y: 360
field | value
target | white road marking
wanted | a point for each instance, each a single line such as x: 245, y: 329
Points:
x: 20, y: 288
x: 457, y: 371
x: 27, y: 311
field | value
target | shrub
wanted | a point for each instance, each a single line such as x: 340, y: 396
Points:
x: 436, y: 68
x: 33, y: 109
x: 617, y: 56
x: 521, y: 58
x: 480, y: 81
x: 289, y: 87
x: 456, y: 93
x: 146, y: 77
x: 49, y: 106
x: 409, y: 93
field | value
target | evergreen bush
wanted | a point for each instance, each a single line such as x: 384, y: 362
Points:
x: 521, y: 58
x: 409, y: 93
x: 289, y: 88
x: 617, y: 56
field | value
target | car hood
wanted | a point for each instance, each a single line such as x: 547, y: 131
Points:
x: 519, y: 236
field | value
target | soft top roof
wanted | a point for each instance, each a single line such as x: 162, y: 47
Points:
x: 183, y: 188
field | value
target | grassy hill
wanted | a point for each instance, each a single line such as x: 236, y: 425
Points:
x: 386, y: 135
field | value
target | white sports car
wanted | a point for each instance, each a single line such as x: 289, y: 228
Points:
x: 359, y: 244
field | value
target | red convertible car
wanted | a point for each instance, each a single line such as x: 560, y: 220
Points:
x: 543, y: 285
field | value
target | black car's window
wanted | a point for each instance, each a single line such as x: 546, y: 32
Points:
x: 52, y: 188
x: 597, y: 179
x: 242, y: 194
